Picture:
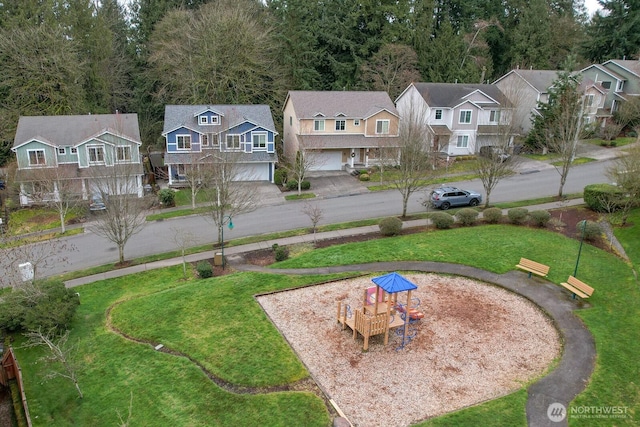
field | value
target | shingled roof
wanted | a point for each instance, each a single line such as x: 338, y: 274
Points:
x: 70, y: 130
x: 452, y: 94
x: 176, y: 116
x: 347, y: 104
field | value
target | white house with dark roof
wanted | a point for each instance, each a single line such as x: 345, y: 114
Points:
x: 343, y: 129
x: 77, y: 149
x: 461, y: 117
x: 194, y: 133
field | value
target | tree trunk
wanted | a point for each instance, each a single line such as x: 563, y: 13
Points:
x: 405, y: 202
x: 121, y: 252
x: 62, y: 224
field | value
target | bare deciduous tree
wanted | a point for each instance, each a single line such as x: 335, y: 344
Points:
x: 57, y: 187
x: 231, y: 197
x: 415, y: 154
x: 120, y: 188
x: 625, y: 172
x: 40, y: 254
x: 60, y: 353
x: 184, y: 240
x: 391, y: 69
x: 315, y: 214
x: 307, y: 159
x: 198, y: 173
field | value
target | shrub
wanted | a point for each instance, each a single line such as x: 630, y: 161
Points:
x: 292, y: 184
x: 280, y: 176
x: 44, y: 305
x: 467, y: 216
x: 282, y: 253
x: 492, y: 215
x: 540, y: 218
x: 518, y: 215
x: 602, y: 197
x: 305, y: 185
x: 204, y: 269
x: 364, y: 177
x: 441, y: 220
x: 167, y: 197
x: 390, y: 226
x: 590, y: 230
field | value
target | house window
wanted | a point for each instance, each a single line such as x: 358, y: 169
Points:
x: 356, y: 122
x: 214, y: 140
x: 587, y: 120
x: 215, y: 120
x: 619, y: 86
x: 74, y: 150
x: 606, y: 85
x: 96, y: 154
x: 36, y: 158
x: 62, y: 150
x: 494, y: 116
x: 233, y: 142
x: 438, y: 114
x: 318, y: 125
x: 463, y: 141
x: 184, y: 142
x: 465, y: 116
x: 204, y: 139
x: 589, y: 100
x: 259, y: 140
x: 382, y: 126
x: 340, y: 124
x: 204, y: 120
x: 123, y: 154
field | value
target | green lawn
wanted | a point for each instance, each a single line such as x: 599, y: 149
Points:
x: 218, y: 324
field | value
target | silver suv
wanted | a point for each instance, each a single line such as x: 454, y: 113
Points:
x: 446, y: 197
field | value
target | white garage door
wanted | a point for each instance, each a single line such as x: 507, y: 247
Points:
x: 327, y: 161
x: 253, y: 172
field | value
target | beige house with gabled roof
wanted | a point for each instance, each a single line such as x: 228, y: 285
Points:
x: 344, y: 129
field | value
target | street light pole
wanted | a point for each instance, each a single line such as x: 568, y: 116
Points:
x: 225, y: 219
x: 584, y: 225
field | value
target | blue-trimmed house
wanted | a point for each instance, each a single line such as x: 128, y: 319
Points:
x: 194, y: 133
x: 75, y: 152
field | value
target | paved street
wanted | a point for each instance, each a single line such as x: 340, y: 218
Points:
x: 341, y: 197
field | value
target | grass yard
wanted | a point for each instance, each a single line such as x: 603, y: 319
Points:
x: 218, y: 324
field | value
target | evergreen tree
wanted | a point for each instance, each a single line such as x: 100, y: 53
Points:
x: 614, y: 32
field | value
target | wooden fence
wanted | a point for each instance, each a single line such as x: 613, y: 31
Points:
x: 10, y: 370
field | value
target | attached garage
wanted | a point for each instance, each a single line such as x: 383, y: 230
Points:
x: 327, y: 160
x: 254, y: 172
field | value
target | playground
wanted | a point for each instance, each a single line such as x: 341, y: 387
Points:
x: 475, y: 342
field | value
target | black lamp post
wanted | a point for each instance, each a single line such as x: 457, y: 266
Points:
x: 584, y: 225
x: 225, y: 219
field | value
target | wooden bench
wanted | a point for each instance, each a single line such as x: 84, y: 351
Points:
x: 533, y: 267
x: 578, y: 287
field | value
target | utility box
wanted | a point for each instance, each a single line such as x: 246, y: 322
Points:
x: 26, y: 271
x: 217, y: 258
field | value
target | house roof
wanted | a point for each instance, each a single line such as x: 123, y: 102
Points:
x: 604, y: 70
x: 176, y: 116
x: 187, y: 158
x: 540, y: 80
x: 71, y: 130
x: 348, y: 104
x: 452, y: 94
x: 324, y: 142
x: 632, y: 66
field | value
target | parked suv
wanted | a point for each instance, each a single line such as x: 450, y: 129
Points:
x: 446, y: 197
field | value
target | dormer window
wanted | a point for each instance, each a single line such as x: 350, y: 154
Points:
x: 204, y: 120
x: 214, y: 120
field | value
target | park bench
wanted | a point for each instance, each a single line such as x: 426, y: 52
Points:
x: 578, y: 287
x: 533, y: 267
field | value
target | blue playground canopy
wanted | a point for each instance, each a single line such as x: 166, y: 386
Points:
x: 393, y: 283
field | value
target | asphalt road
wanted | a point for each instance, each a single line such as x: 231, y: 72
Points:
x: 157, y: 237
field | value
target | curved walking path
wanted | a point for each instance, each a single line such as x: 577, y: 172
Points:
x: 562, y: 384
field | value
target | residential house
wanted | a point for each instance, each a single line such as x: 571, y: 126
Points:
x: 616, y: 79
x: 526, y: 89
x: 461, y: 117
x: 343, y: 129
x: 195, y: 133
x: 76, y: 152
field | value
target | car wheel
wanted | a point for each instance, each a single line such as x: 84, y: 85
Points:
x: 473, y: 202
x: 445, y: 206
